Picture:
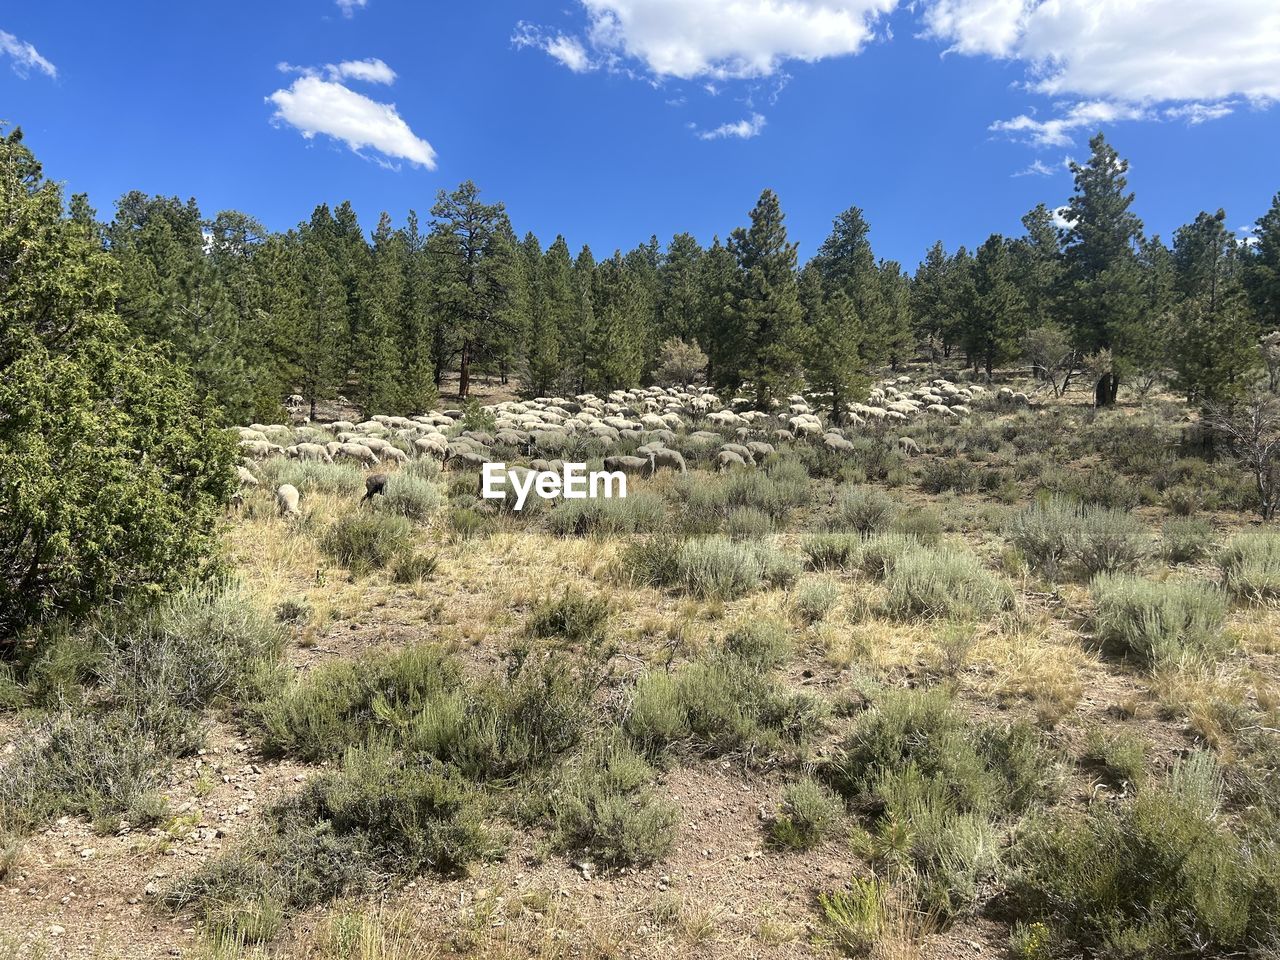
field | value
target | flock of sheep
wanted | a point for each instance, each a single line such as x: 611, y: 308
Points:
x: 652, y: 421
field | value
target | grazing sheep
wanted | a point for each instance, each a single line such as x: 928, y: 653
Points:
x: 739, y: 449
x: 395, y: 455
x: 359, y: 453
x: 374, y: 484
x: 629, y: 465
x: 260, y: 449
x: 833, y: 441
x: 908, y: 447
x: 247, y: 479
x: 759, y: 449
x: 668, y: 459
x: 727, y: 459
x: 463, y: 460
x: 308, y: 451
x: 287, y: 498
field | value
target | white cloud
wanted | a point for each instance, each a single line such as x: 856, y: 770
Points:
x: 723, y: 39
x: 315, y: 105
x: 744, y: 129
x: 370, y: 70
x: 976, y: 26
x: 568, y: 50
x: 1057, y: 131
x: 1060, y: 219
x: 1037, y: 168
x: 349, y: 7
x: 1195, y: 113
x: 1187, y: 60
x: 25, y: 56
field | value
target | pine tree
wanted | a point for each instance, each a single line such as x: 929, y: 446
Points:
x: 934, y: 307
x: 834, y: 365
x: 380, y: 296
x: 621, y: 305
x: 1102, y: 273
x: 1216, y: 355
x: 477, y: 280
x: 996, y: 317
x: 322, y: 338
x: 415, y: 322
x: 847, y: 266
x: 766, y: 303
x: 680, y: 291
x: 717, y: 281
x: 1263, y: 271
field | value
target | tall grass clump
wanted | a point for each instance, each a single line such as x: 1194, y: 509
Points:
x: 313, y: 476
x: 1158, y: 622
x: 1158, y: 875
x: 926, y: 584
x: 936, y: 789
x: 603, y: 805
x: 714, y: 568
x: 1250, y: 564
x: 573, y: 615
x: 1186, y: 539
x: 775, y: 492
x: 722, y: 703
x: 640, y: 512
x: 407, y: 495
x: 1060, y: 536
x: 810, y: 813
x: 864, y: 510
x: 832, y: 551
x: 367, y: 541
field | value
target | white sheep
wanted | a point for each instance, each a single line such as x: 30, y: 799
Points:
x: 287, y: 499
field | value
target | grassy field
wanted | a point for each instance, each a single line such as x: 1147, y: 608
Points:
x: 1014, y: 695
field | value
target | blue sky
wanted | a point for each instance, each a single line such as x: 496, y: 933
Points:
x: 609, y: 120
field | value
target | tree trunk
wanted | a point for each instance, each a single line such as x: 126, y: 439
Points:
x: 464, y: 371
x: 1104, y: 392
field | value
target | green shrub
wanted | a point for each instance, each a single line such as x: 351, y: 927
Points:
x: 92, y: 764
x: 113, y: 471
x: 720, y: 704
x: 881, y: 552
x: 1154, y: 876
x: 925, y: 584
x: 574, y: 616
x: 943, y: 474
x: 1186, y: 539
x: 1045, y: 534
x: 748, y: 523
x: 365, y: 541
x: 415, y: 567
x: 813, y: 600
x: 339, y: 703
x: 604, y: 807
x: 810, y: 812
x: 467, y: 523
x: 1158, y: 622
x: 376, y: 815
x: 710, y: 568
x: 864, y: 510
x: 1121, y: 757
x: 1110, y: 541
x: 1250, y: 564
x: 832, y: 551
x: 1056, y: 534
x: 775, y: 492
x: 489, y: 730
x: 406, y: 495
x: 639, y: 512
x: 857, y: 916
x: 764, y: 642
x: 938, y: 785
x: 924, y: 524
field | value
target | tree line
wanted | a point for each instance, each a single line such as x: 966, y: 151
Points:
x: 323, y: 310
